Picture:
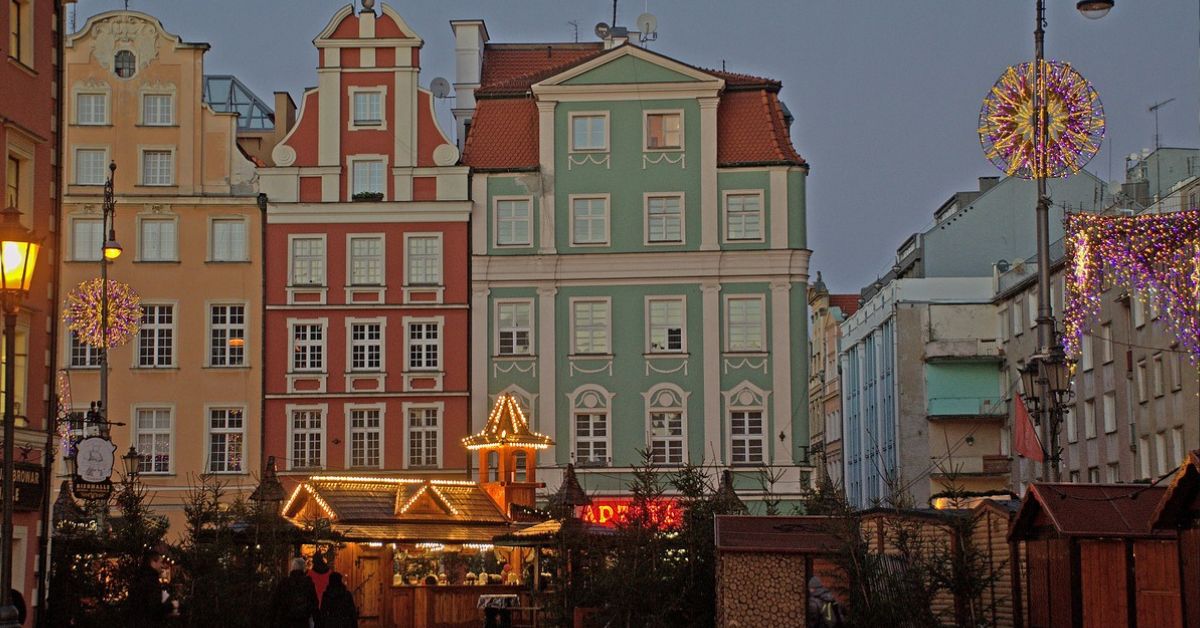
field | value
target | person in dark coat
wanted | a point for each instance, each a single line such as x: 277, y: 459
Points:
x: 823, y: 608
x: 337, y: 606
x: 148, y: 602
x: 295, y: 603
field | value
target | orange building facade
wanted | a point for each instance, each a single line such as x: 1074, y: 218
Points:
x: 366, y: 248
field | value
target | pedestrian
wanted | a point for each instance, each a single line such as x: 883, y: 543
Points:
x: 319, y: 574
x: 337, y: 605
x: 295, y: 603
x: 148, y: 601
x: 823, y: 608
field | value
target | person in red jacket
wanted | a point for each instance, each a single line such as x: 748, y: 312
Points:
x: 319, y: 574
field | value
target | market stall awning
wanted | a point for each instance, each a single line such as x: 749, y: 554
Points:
x: 418, y: 532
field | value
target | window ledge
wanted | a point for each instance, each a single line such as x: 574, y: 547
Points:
x: 307, y: 373
x: 226, y: 261
x: 590, y: 356
x: 514, y: 356
x: 84, y: 368
x: 682, y: 355
x: 225, y: 473
x: 20, y: 65
x: 240, y: 367
x: 82, y: 261
x: 744, y: 354
x: 156, y: 261
x: 151, y: 369
x: 92, y: 125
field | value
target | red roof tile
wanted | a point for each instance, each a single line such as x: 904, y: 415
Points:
x: 504, y: 135
x: 1090, y: 510
x: 847, y: 302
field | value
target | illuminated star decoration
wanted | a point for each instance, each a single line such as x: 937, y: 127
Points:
x: 82, y: 313
x: 1156, y: 255
x: 1074, y: 121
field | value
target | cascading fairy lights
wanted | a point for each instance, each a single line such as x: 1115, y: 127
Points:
x: 1074, y: 121
x: 1156, y: 255
x: 83, y: 312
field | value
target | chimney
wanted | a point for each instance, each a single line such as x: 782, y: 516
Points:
x: 285, y: 119
x: 470, y: 36
x: 987, y: 183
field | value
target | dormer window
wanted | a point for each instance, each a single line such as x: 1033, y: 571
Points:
x: 124, y: 64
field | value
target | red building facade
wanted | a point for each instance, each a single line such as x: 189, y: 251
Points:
x: 366, y: 248
x: 30, y: 64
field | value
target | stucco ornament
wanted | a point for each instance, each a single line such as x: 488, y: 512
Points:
x: 283, y: 155
x: 125, y: 32
x: 445, y: 155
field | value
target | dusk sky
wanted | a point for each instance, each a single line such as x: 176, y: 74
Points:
x: 886, y: 95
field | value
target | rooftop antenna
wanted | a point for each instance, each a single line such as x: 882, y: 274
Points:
x: 1154, y: 110
x: 614, y: 22
x: 126, y: 5
x: 575, y: 25
x: 647, y: 26
x: 440, y: 88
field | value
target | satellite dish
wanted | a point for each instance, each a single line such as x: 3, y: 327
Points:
x: 601, y: 30
x: 647, y: 23
x: 440, y: 87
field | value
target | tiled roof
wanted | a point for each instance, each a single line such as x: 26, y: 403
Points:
x: 1182, y: 499
x: 848, y: 303
x: 382, y: 500
x: 504, y: 131
x: 1089, y: 510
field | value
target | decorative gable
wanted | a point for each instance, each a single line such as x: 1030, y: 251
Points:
x: 630, y: 69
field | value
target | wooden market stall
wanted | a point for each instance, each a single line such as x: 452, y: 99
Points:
x: 1091, y: 558
x: 418, y: 552
x: 1179, y: 510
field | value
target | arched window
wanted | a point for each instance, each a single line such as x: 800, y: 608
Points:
x: 745, y: 408
x: 666, y: 424
x: 124, y: 64
x: 590, y: 418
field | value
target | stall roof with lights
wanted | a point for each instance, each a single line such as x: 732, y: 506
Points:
x: 507, y: 425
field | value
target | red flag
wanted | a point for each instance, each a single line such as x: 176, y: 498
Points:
x: 1025, y: 440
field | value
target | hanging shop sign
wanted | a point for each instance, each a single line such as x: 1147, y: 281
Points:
x: 611, y: 511
x: 94, y: 459
x: 27, y: 486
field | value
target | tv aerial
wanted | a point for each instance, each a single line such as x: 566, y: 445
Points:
x: 440, y: 87
x: 647, y: 26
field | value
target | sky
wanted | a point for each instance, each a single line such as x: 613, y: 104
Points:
x: 886, y: 94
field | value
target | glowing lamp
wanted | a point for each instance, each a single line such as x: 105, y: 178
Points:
x: 1094, y: 9
x: 112, y: 248
x: 18, y: 254
x: 130, y: 461
x: 237, y: 342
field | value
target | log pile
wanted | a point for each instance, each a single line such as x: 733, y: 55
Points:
x: 756, y: 589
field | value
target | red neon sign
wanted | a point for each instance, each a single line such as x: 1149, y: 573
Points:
x: 664, y: 513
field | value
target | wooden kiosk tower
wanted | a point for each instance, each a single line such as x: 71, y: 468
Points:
x: 508, y: 455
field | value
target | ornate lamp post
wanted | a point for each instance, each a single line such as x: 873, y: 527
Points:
x: 18, y: 254
x: 110, y: 251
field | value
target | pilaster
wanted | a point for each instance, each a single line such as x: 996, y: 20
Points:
x: 713, y: 416
x: 479, y: 358
x: 546, y: 420
x: 779, y: 209
x: 329, y: 101
x: 546, y: 167
x: 709, y: 203
x: 781, y: 370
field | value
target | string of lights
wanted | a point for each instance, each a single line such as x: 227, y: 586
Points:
x: 82, y: 312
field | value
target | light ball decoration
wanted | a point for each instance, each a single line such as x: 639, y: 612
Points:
x: 83, y: 313
x: 1008, y: 122
x: 1156, y: 255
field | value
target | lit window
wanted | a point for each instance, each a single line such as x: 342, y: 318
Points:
x: 664, y: 219
x: 424, y: 346
x: 366, y: 436
x: 666, y: 325
x: 156, y: 337
x: 90, y: 166
x: 513, y: 223
x: 743, y: 217
x: 308, y: 347
x: 424, y: 435
x: 157, y: 167
x: 227, y: 335
x: 154, y: 440
x: 366, y: 261
x: 424, y: 260
x: 308, y: 262
x: 124, y: 64
x: 589, y: 218
x: 366, y: 347
x: 589, y: 132
x: 368, y: 108
x: 367, y: 175
x: 514, y: 326
x: 157, y: 240
x: 590, y: 324
x: 745, y: 324
x: 664, y: 131
x: 229, y: 240
x: 91, y: 109
x: 226, y: 437
x: 86, y: 239
x: 308, y: 439
x: 157, y: 110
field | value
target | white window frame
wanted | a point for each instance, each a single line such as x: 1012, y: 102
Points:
x: 1177, y: 450
x: 589, y: 114
x: 1017, y: 318
x: 96, y: 253
x: 653, y: 399
x: 1108, y: 408
x: 441, y: 258
x: 324, y: 257
x: 650, y: 326
x: 142, y: 221
x: 1089, y: 418
x: 149, y: 452
x: 496, y: 200
x: 571, y: 198
x: 646, y: 130
x: 229, y: 328
x: 351, y: 343
x: 142, y: 150
x: 607, y: 409
x: 213, y: 221
x: 1140, y: 373
x: 323, y: 345
x: 608, y: 326
x: 1144, y: 456
x: 646, y: 197
x: 143, y: 118
x: 1160, y: 452
x: 438, y: 343
x: 1158, y: 374
x: 500, y: 330
x: 762, y: 328
x: 762, y: 216
x: 733, y: 404
x: 105, y: 96
x: 380, y: 431
x: 75, y: 151
x: 353, y: 123
x: 173, y: 329
x: 1087, y: 353
x: 90, y: 354
x: 351, y: 280
x: 1176, y: 368
x: 1031, y: 303
x: 440, y: 409
x: 352, y: 160
x: 1106, y: 343
x: 210, y: 431
x: 323, y: 410
x: 1071, y: 424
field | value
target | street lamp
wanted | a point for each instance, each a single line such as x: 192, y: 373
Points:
x: 110, y: 250
x: 18, y: 254
x: 1049, y: 354
x: 130, y: 462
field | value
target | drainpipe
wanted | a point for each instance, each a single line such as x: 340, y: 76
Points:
x: 262, y: 327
